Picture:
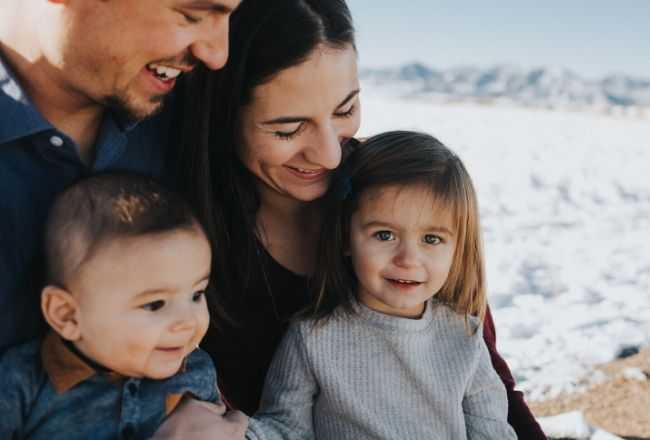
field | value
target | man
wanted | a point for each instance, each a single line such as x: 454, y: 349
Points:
x: 76, y: 77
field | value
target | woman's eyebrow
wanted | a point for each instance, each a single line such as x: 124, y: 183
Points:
x: 348, y: 98
x: 209, y: 5
x: 284, y: 120
x: 294, y: 119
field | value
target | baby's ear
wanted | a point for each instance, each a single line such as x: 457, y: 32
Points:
x: 61, y: 311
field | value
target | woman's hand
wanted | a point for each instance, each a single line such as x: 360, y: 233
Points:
x: 197, y: 420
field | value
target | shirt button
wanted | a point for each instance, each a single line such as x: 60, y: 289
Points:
x: 133, y: 388
x: 56, y: 141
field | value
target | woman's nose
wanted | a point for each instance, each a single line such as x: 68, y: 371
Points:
x: 326, y: 148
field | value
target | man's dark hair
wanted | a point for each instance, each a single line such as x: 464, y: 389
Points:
x: 106, y: 206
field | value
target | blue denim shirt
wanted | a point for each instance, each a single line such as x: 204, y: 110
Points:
x: 36, y: 162
x: 50, y: 393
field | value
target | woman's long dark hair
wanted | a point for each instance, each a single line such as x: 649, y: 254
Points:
x: 399, y: 158
x: 266, y: 37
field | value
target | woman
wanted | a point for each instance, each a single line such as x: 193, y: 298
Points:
x: 262, y: 136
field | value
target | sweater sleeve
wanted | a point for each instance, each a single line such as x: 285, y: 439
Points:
x: 289, y: 392
x: 485, y: 404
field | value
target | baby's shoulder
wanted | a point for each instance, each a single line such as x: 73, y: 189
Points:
x: 197, y: 376
x: 21, y: 368
x: 199, y: 360
x: 22, y: 353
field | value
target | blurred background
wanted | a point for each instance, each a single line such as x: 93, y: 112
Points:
x: 548, y: 105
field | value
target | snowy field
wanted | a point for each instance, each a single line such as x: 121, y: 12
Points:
x: 565, y: 205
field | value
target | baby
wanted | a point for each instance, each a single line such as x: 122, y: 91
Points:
x: 127, y: 269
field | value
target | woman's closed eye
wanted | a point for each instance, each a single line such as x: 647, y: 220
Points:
x: 384, y: 235
x: 346, y: 113
x: 288, y: 135
x: 154, y: 305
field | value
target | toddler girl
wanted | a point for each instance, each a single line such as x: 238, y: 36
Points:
x: 392, y: 347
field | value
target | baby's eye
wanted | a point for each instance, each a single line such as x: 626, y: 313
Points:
x: 432, y: 239
x: 198, y: 296
x: 154, y: 305
x: 384, y: 235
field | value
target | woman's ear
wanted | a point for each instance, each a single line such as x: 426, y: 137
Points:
x: 61, y: 311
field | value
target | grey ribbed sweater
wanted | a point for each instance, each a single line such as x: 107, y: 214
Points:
x: 374, y: 376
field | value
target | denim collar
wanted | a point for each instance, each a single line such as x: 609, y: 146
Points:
x: 67, y: 368
x: 20, y: 118
x: 63, y: 367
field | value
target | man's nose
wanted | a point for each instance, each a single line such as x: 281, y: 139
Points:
x: 211, y: 48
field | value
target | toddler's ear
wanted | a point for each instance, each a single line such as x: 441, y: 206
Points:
x: 60, y: 310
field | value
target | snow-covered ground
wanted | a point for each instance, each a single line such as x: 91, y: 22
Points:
x: 565, y: 205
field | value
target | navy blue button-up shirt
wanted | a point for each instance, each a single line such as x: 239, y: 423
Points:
x: 36, y: 162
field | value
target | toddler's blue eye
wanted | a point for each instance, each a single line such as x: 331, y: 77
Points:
x: 154, y: 305
x: 432, y: 239
x: 384, y: 235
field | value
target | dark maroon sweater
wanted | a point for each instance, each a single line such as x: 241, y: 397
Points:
x: 243, y: 352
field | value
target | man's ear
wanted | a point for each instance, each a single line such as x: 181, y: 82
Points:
x: 61, y: 312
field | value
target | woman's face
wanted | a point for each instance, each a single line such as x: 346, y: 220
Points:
x: 294, y: 126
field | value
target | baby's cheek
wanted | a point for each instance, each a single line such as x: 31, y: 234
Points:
x: 203, y: 324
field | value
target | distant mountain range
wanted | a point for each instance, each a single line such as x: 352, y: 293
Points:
x: 548, y: 87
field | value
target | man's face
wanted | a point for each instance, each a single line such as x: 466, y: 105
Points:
x: 127, y: 54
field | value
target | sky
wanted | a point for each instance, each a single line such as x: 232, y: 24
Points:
x: 593, y: 38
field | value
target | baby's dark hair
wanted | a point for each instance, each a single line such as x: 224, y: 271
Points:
x: 400, y: 158
x: 105, y: 206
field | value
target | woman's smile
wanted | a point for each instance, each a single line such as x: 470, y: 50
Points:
x: 306, y: 173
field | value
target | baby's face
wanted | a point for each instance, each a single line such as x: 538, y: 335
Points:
x: 142, y: 307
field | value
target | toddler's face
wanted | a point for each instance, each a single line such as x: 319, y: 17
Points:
x: 402, y: 244
x: 142, y: 307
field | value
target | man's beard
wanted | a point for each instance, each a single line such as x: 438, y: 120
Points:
x: 126, y: 109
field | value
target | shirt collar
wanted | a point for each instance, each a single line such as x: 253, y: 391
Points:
x: 19, y: 117
x: 66, y: 369
x: 63, y: 367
